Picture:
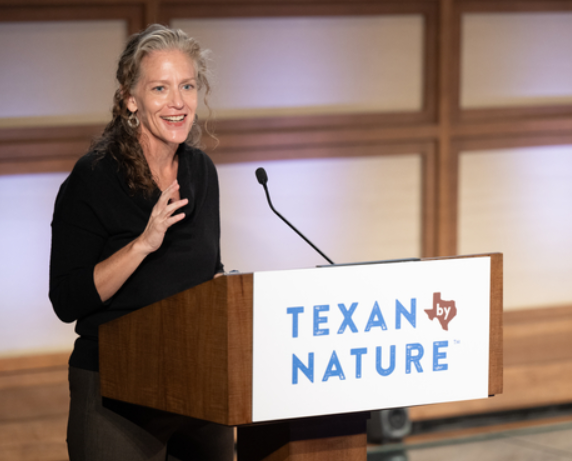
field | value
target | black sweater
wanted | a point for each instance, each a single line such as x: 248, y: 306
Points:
x: 96, y: 215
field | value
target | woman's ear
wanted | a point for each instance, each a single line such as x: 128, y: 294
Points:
x: 129, y: 100
x: 131, y: 103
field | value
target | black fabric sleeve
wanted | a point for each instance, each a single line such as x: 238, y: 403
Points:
x: 74, y: 255
x: 76, y: 248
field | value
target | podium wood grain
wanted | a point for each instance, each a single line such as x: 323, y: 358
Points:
x: 189, y: 354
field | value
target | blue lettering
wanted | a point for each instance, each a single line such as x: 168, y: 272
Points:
x: 400, y: 310
x: 439, y: 355
x: 348, y: 322
x: 295, y: 311
x: 318, y: 319
x: 385, y: 371
x: 410, y: 358
x: 334, y: 368
x: 375, y: 319
x: 358, y: 353
x: 297, y: 364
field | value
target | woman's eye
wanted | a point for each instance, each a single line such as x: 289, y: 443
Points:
x: 159, y: 88
x: 188, y: 86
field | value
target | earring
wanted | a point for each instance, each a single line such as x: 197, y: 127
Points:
x: 133, y: 121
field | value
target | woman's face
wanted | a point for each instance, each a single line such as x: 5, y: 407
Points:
x: 165, y: 99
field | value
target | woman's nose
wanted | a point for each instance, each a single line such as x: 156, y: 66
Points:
x: 177, y: 99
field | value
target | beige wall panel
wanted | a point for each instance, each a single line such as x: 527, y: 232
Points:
x: 515, y: 59
x: 58, y: 72
x: 274, y: 66
x: 519, y: 202
x: 354, y: 209
x: 27, y: 321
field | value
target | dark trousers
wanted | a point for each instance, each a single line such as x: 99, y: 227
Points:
x: 102, y: 429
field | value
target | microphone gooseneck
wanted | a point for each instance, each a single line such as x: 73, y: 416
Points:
x: 262, y: 178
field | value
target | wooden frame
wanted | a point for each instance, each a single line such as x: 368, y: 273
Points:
x: 538, y: 361
x: 441, y: 123
x: 465, y: 116
x: 468, y: 144
x: 132, y: 12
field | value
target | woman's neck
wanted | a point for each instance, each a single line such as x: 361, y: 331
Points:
x: 164, y: 165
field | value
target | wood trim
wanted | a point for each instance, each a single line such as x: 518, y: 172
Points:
x: 496, y: 351
x: 449, y: 202
x: 511, y: 142
x: 26, y: 145
x: 446, y: 174
x: 133, y: 14
x: 453, y: 50
x: 39, y: 150
x: 514, y: 113
x: 34, y: 362
x: 171, y: 9
x: 514, y: 6
x: 492, y: 129
x: 429, y: 205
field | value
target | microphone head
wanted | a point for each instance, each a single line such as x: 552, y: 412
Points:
x: 261, y: 176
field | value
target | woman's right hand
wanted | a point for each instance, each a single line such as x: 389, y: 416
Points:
x: 161, y: 219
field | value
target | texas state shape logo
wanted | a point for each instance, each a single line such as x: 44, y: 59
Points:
x: 445, y: 311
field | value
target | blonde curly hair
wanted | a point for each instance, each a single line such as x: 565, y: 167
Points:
x: 119, y: 139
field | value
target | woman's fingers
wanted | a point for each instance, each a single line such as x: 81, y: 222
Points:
x: 163, y: 216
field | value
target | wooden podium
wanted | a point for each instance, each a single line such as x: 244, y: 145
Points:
x: 192, y: 354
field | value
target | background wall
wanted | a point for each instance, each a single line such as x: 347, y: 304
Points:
x: 388, y: 129
x: 360, y: 207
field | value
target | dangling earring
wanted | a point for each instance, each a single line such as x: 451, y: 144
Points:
x: 133, y: 121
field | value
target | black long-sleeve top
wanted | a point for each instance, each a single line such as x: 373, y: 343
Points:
x: 96, y: 214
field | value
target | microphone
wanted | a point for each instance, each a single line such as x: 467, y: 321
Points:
x: 262, y: 178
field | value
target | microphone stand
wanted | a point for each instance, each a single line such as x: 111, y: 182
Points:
x: 263, y: 179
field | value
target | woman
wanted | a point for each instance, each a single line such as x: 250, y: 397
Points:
x: 136, y: 221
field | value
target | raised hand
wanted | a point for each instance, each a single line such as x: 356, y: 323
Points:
x: 162, y: 218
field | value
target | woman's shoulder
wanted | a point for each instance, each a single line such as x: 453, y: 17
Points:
x: 87, y: 175
x: 93, y: 167
x: 93, y: 163
x: 195, y: 158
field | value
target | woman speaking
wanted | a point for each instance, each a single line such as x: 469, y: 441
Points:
x: 136, y: 221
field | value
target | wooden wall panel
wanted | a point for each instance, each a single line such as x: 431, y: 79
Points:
x: 34, y: 401
x: 537, y: 366
x: 500, y: 114
x: 47, y: 149
x: 441, y: 126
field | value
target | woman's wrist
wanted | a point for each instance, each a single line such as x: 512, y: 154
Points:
x: 140, y: 247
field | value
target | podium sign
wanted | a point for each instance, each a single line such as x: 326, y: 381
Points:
x: 355, y: 338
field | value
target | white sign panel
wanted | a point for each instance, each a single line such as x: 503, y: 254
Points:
x: 357, y: 338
